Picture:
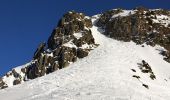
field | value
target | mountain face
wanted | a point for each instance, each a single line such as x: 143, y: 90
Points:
x: 70, y: 40
x: 77, y: 35
x: 140, y: 25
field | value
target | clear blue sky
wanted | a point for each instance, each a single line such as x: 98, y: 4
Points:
x: 26, y: 23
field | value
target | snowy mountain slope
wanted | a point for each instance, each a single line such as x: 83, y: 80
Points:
x: 106, y: 74
x: 72, y: 39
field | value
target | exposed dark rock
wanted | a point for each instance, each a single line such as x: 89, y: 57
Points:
x: 133, y: 70
x: 135, y: 76
x: 81, y: 53
x: 152, y: 76
x: 105, y: 17
x: 15, y: 74
x: 31, y: 71
x: 86, y: 38
x: 72, y: 22
x: 58, y: 55
x: 67, y: 55
x: 39, y: 50
x: 146, y: 86
x: 1, y: 83
x: 54, y: 67
x: 16, y: 82
x: 4, y: 86
x: 7, y: 74
x: 145, y: 68
x: 166, y: 55
x: 24, y: 70
x: 138, y: 27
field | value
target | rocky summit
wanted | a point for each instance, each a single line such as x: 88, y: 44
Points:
x: 72, y: 39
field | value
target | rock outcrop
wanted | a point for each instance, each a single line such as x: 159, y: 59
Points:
x: 140, y: 25
x: 65, y: 45
x: 71, y: 39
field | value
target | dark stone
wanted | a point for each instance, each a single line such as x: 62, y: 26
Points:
x: 3, y: 87
x: 135, y: 76
x: 74, y: 59
x: 31, y: 71
x: 16, y: 82
x: 81, y: 53
x: 152, y: 76
x: 72, y: 22
x: 146, y: 68
x: 16, y: 75
x: 39, y: 50
x: 24, y: 70
x: 146, y: 86
x: 55, y: 67
x: 133, y: 70
x: 7, y: 74
x: 57, y: 51
x: 1, y: 83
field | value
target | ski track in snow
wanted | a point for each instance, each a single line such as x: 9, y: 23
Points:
x: 103, y: 75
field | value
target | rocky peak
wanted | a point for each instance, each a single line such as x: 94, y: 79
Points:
x: 71, y: 39
x: 71, y: 23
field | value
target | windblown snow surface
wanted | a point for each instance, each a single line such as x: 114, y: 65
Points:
x: 103, y: 75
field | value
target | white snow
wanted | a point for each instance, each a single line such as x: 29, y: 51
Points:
x: 124, y: 13
x: 9, y: 80
x: 103, y: 75
x: 87, y: 17
x: 78, y: 35
x: 162, y: 19
x: 70, y: 44
x: 50, y: 54
x: 86, y: 46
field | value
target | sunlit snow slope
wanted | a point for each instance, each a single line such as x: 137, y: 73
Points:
x: 106, y: 74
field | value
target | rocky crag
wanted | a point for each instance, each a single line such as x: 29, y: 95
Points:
x: 140, y: 25
x: 70, y: 40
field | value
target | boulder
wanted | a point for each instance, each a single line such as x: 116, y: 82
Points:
x: 4, y: 86
x: 15, y: 74
x: 24, y: 70
x: 81, y: 53
x: 1, y: 83
x: 16, y: 82
x: 146, y: 68
x: 30, y: 71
